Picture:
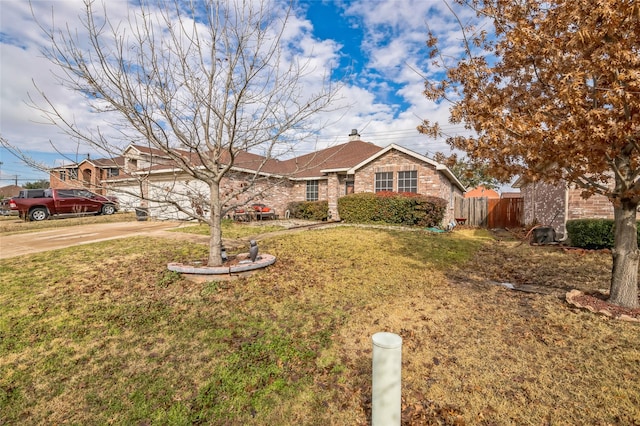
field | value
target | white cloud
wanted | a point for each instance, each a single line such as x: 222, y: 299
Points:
x: 396, y: 32
x: 25, y: 71
x: 386, y: 101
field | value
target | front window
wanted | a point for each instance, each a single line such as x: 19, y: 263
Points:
x: 408, y: 181
x: 384, y: 181
x: 63, y: 175
x: 73, y: 174
x: 312, y: 190
x: 113, y: 172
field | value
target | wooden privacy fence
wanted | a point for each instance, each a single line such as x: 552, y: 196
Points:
x: 474, y: 210
x: 490, y: 213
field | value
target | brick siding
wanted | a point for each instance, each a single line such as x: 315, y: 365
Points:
x: 275, y: 193
x: 278, y: 193
x: 544, y: 204
x: 430, y: 181
x: 89, y: 177
x: 596, y: 206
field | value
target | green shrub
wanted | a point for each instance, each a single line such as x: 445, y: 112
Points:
x: 591, y: 233
x: 430, y: 211
x: 393, y: 208
x: 357, y: 208
x: 311, y: 210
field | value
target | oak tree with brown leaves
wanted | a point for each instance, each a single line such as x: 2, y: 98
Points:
x: 471, y: 175
x: 552, y: 93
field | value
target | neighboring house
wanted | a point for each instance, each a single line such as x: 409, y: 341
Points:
x: 89, y: 174
x: 7, y: 192
x: 352, y: 167
x: 554, y: 204
x: 139, y: 157
x: 480, y: 192
x: 10, y: 191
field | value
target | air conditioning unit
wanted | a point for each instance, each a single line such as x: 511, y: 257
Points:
x: 544, y: 235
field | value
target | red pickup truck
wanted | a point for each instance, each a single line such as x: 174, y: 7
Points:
x: 63, y: 202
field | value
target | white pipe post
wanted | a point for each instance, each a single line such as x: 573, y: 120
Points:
x: 386, y: 379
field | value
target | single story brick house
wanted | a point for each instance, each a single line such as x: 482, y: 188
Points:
x: 554, y: 204
x: 10, y: 191
x: 328, y: 174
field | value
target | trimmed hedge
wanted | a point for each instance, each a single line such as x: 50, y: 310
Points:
x: 310, y: 210
x: 391, y: 207
x: 592, y: 233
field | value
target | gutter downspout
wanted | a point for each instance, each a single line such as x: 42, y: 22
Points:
x: 566, y: 216
x: 534, y: 195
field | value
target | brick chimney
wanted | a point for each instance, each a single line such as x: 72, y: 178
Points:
x: 354, y: 136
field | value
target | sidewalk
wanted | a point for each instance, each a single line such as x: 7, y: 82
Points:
x: 56, y: 238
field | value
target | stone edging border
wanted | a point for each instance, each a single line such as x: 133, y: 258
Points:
x: 570, y: 298
x: 263, y: 261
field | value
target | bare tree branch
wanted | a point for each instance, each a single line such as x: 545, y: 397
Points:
x: 202, y: 83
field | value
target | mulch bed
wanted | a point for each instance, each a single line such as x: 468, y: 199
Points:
x: 597, y: 302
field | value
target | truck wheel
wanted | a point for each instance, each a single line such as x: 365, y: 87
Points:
x: 39, y: 213
x: 108, y: 209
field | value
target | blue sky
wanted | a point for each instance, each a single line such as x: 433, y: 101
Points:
x: 376, y: 46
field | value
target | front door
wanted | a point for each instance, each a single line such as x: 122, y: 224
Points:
x: 349, y: 187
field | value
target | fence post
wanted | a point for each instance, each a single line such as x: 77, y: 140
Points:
x: 386, y: 379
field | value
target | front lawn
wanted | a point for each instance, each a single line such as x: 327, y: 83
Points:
x: 107, y: 335
x: 231, y: 229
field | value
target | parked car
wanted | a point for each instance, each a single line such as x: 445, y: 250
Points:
x: 63, y: 202
x: 31, y: 193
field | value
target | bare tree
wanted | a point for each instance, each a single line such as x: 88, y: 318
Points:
x: 202, y: 82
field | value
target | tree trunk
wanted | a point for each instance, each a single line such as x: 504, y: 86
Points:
x: 624, y: 276
x: 215, y: 225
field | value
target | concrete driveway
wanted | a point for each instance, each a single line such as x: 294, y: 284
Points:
x: 51, y: 239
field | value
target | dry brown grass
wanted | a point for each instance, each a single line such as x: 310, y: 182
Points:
x: 474, y: 352
x: 125, y: 342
